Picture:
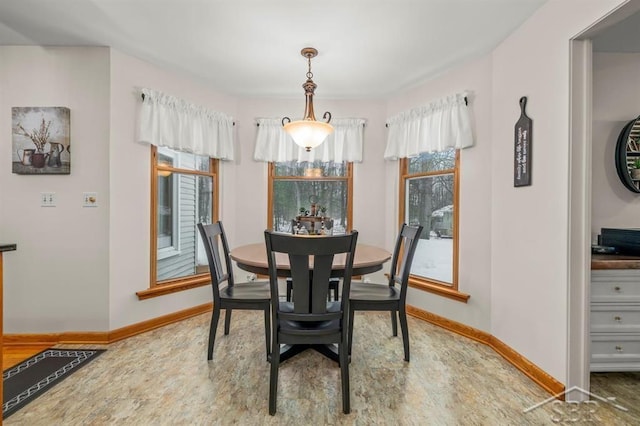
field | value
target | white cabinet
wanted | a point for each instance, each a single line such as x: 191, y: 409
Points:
x: 615, y: 320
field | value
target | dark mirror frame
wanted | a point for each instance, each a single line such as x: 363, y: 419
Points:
x: 627, y: 151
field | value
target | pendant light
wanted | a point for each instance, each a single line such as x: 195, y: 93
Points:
x: 308, y: 133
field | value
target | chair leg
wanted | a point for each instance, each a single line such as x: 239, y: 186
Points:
x: 344, y: 377
x: 394, y: 323
x: 350, y: 337
x: 267, y: 330
x: 227, y: 321
x: 273, y: 377
x: 215, y: 316
x: 405, y: 332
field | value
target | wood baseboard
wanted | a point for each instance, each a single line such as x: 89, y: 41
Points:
x: 104, y: 338
x: 535, y: 373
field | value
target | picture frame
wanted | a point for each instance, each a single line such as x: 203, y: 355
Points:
x: 41, y: 140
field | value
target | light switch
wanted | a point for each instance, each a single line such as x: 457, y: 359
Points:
x: 47, y: 199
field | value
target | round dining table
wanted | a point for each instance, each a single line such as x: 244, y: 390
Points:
x: 253, y: 258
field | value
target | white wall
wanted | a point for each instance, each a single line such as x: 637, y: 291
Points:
x: 616, y: 100
x: 58, y: 279
x: 529, y: 264
x: 130, y: 189
x: 475, y: 193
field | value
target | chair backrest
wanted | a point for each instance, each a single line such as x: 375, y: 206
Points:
x: 311, y: 260
x: 213, y: 237
x: 405, y: 248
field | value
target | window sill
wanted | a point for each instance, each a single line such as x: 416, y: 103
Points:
x: 174, y: 287
x: 440, y: 290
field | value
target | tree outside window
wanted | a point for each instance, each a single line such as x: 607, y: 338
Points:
x: 292, y: 183
x: 429, y: 197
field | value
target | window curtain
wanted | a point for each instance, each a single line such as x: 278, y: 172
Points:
x: 174, y: 123
x: 344, y: 144
x: 438, y: 126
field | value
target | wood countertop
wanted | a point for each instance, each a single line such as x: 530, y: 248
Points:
x: 614, y: 261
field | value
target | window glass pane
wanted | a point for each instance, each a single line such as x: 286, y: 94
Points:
x: 429, y: 202
x: 290, y: 196
x: 165, y: 159
x: 182, y: 160
x: 312, y: 169
x: 165, y: 209
x: 183, y: 201
x: 432, y: 161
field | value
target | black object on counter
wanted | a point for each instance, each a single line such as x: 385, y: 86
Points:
x: 626, y: 241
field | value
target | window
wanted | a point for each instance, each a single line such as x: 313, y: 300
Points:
x: 183, y: 193
x: 292, y: 183
x: 429, y: 197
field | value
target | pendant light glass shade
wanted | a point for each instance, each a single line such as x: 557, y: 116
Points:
x: 308, y: 132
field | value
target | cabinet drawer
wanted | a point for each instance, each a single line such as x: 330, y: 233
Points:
x: 610, y: 317
x: 615, y: 285
x: 619, y: 352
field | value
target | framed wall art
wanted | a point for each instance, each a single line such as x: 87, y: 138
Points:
x: 41, y: 141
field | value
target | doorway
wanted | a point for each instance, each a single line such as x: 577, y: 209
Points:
x: 611, y: 28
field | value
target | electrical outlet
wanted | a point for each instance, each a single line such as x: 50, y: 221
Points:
x: 90, y: 199
x: 47, y: 199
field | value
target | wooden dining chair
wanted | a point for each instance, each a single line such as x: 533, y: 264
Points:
x: 308, y: 318
x: 334, y: 283
x: 392, y: 295
x: 254, y: 295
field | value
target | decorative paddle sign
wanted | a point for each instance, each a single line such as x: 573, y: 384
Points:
x: 522, y: 148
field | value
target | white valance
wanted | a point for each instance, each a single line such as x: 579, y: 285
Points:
x: 440, y: 125
x: 174, y: 123
x: 344, y: 144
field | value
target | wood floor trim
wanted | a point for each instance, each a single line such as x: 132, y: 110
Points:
x: 104, y: 338
x: 535, y: 373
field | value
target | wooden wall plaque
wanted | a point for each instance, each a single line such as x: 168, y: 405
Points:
x: 522, y: 148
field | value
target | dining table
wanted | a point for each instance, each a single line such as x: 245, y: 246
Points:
x: 253, y: 258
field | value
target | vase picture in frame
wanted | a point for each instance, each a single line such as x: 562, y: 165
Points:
x: 41, y: 140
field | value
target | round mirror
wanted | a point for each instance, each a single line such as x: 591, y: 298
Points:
x: 628, y: 155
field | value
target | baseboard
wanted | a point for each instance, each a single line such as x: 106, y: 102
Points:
x: 152, y: 324
x: 535, y: 373
x: 104, y: 338
x: 531, y: 370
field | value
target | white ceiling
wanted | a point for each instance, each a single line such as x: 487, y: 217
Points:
x: 367, y: 48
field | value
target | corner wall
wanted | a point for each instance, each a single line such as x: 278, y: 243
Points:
x: 475, y: 193
x: 530, y: 225
x: 129, y: 215
x: 616, y: 101
x: 59, y: 277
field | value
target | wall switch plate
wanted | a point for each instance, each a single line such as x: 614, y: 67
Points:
x: 90, y: 199
x: 47, y: 199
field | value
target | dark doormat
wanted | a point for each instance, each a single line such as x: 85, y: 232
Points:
x: 31, y: 378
